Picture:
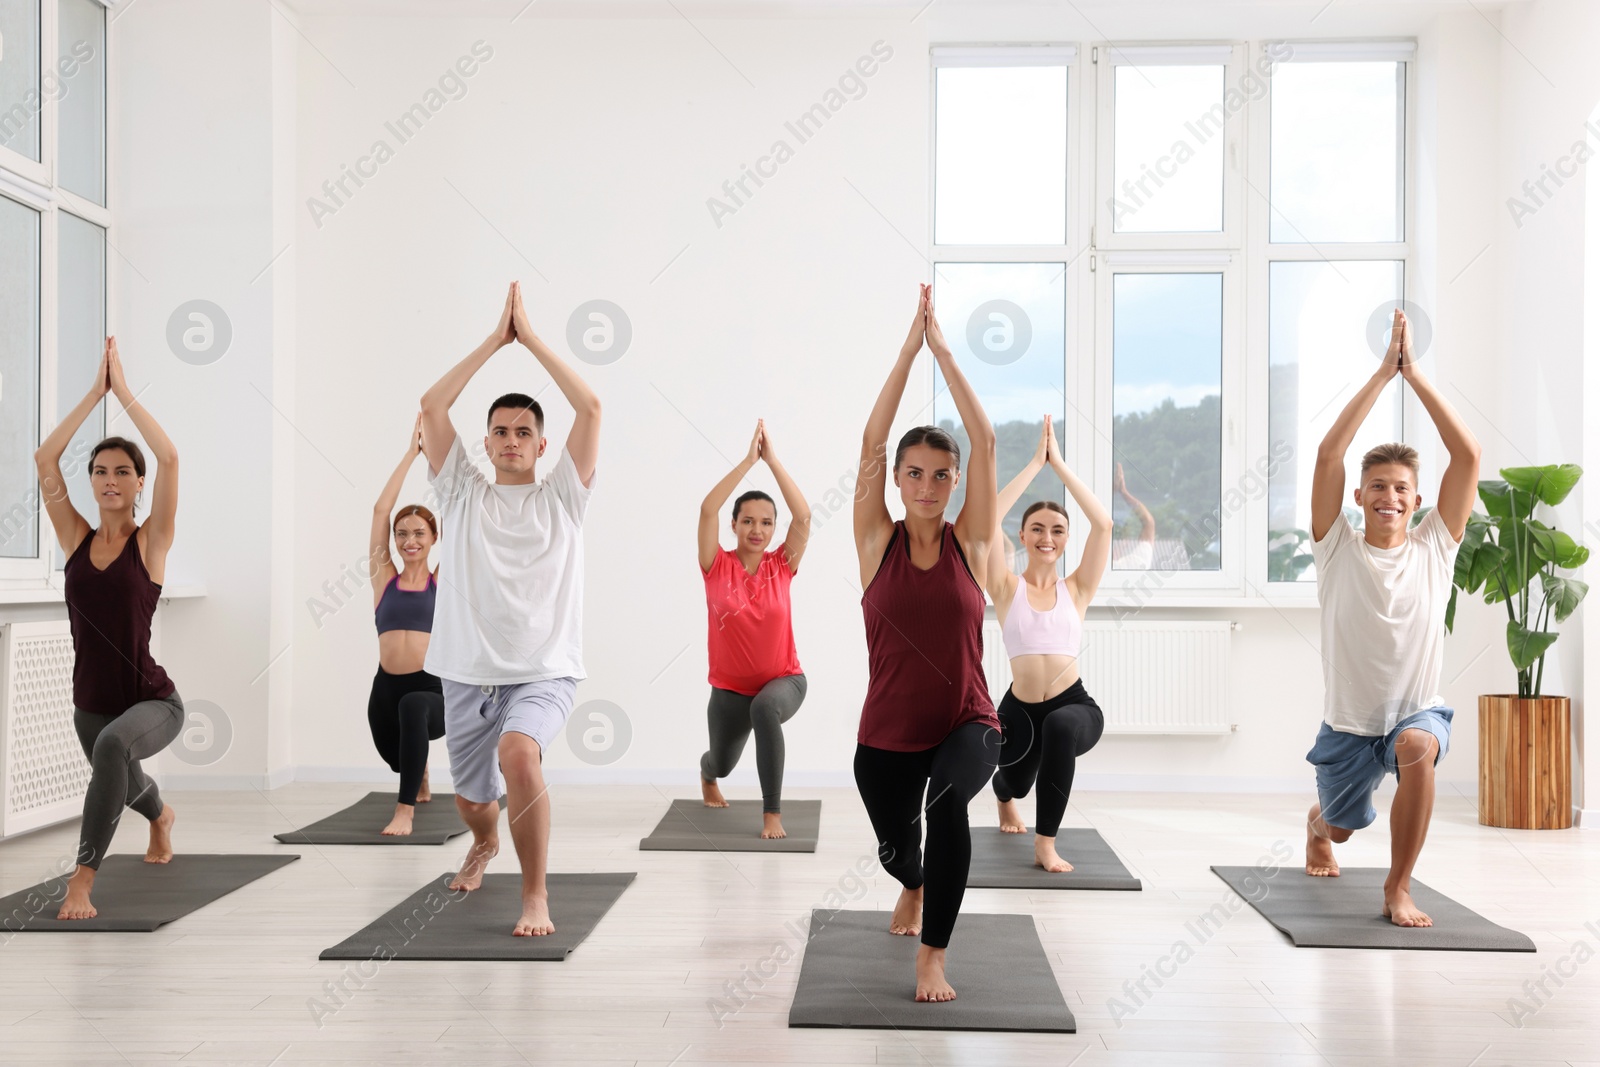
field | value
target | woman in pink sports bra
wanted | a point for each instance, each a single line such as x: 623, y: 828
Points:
x: 405, y: 710
x: 1047, y: 718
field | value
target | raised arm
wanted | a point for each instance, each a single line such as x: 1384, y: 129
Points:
x: 1459, y: 486
x: 1085, y: 581
x: 798, y: 535
x: 70, y: 527
x: 871, y: 515
x: 999, y: 576
x: 975, y: 524
x: 1147, y: 521
x: 159, y: 529
x: 438, y: 434
x: 583, y: 443
x: 1327, y: 479
x: 711, y: 507
x: 380, y: 563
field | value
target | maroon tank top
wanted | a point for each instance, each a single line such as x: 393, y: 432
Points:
x: 924, y: 649
x: 110, y: 612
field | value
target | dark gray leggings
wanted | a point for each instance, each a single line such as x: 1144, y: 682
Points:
x: 732, y: 716
x: 115, y: 744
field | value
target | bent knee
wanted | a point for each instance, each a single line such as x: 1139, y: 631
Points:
x: 519, y: 754
x: 1415, y: 749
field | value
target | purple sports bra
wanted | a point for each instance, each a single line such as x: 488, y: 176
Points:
x: 406, y: 609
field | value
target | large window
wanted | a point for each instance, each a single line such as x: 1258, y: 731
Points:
x: 53, y: 224
x: 1177, y: 251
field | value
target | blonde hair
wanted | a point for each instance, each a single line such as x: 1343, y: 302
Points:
x: 1394, y: 452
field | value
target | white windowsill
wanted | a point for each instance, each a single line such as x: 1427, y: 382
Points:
x: 34, y: 592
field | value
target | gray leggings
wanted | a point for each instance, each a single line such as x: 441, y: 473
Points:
x: 115, y: 744
x: 732, y: 716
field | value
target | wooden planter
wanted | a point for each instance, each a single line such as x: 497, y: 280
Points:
x: 1525, y: 762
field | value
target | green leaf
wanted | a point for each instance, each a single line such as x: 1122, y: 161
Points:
x: 1553, y: 546
x: 1503, y: 503
x: 1471, y: 538
x: 1487, y: 562
x: 1450, y: 610
x: 1527, y: 645
x: 1550, y: 483
x: 1564, y: 595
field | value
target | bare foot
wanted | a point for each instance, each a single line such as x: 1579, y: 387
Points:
x: 1319, y: 850
x: 400, y: 825
x: 160, y: 850
x: 77, y: 905
x: 1400, y: 909
x: 772, y: 826
x: 931, y: 986
x: 424, y: 794
x: 535, y: 921
x: 470, y: 876
x: 711, y: 795
x: 1044, y: 854
x: 1011, y: 820
x: 907, y: 918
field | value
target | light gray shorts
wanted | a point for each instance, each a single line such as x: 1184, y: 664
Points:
x: 475, y: 717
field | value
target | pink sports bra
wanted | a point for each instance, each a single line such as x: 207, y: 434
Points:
x: 1057, y: 632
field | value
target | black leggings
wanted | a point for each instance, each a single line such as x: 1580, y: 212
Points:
x: 892, y: 785
x: 731, y: 717
x: 1043, y: 741
x: 115, y: 744
x: 406, y: 711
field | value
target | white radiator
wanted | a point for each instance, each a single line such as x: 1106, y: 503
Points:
x: 42, y: 768
x: 1148, y: 677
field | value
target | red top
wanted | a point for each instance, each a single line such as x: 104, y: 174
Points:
x: 110, y: 612
x: 924, y: 649
x: 750, y: 640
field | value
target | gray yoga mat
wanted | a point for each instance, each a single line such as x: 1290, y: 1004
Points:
x: 857, y: 974
x: 1347, y: 912
x: 435, y: 823
x: 132, y: 895
x: 1005, y: 861
x: 690, y: 826
x: 435, y: 924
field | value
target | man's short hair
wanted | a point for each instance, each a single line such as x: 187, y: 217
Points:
x: 523, y: 402
x: 1390, y: 453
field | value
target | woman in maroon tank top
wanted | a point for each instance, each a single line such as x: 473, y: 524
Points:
x: 928, y: 727
x: 125, y: 707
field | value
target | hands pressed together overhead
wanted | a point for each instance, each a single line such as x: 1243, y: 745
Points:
x: 1399, y: 358
x: 514, y: 324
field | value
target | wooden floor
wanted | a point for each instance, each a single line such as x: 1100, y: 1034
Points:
x: 237, y: 982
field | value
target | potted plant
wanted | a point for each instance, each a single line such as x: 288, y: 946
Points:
x: 1524, y: 741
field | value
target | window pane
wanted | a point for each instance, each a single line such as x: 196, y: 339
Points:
x: 1166, y: 383
x: 1006, y: 326
x: 1317, y: 358
x: 81, y: 334
x: 1168, y: 176
x: 1337, y: 161
x: 1000, y: 155
x: 19, y: 380
x: 83, y: 102
x: 20, y: 102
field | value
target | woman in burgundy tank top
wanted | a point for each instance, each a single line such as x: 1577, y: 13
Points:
x: 928, y: 728
x: 126, y: 708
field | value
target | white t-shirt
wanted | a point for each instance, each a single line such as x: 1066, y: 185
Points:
x: 1382, y: 623
x: 510, y: 601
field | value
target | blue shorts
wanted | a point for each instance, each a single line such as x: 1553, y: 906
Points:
x: 475, y: 716
x: 1350, y: 766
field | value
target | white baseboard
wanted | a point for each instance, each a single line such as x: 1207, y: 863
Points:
x: 1586, y: 818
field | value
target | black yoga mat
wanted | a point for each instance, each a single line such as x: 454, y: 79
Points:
x: 435, y: 924
x: 1005, y: 861
x: 1347, y: 912
x: 857, y: 974
x: 132, y: 895
x: 362, y: 823
x: 690, y: 826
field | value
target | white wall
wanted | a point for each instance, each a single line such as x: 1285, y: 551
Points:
x: 580, y: 160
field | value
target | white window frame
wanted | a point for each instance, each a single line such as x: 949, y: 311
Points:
x: 1262, y: 253
x: 1105, y: 59
x: 36, y: 185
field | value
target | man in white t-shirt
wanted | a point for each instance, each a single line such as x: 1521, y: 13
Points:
x: 507, y: 637
x: 1383, y: 594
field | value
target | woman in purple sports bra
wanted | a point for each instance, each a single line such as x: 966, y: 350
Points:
x: 125, y: 708
x: 406, y: 708
x: 1047, y: 717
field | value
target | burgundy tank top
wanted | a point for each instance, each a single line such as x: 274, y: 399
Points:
x: 110, y: 612
x: 924, y: 649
